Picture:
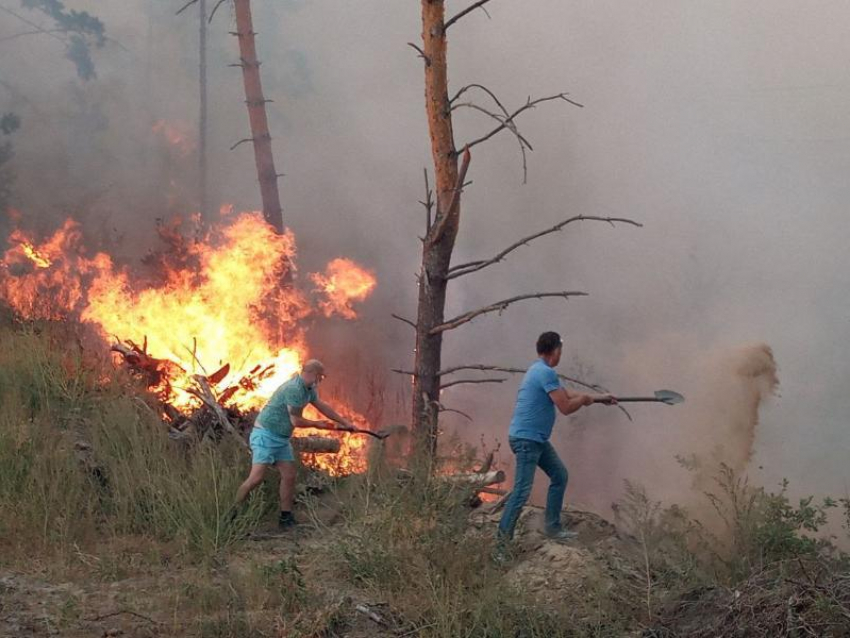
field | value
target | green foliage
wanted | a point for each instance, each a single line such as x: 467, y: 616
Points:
x: 85, y: 30
x: 761, y: 527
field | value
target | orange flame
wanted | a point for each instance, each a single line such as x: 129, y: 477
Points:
x: 344, y: 282
x: 176, y: 135
x: 229, y: 307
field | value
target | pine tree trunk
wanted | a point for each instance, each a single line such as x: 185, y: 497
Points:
x: 439, y: 243
x: 203, y: 202
x: 257, y: 115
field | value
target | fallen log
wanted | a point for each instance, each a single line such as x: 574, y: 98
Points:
x: 315, y: 444
x: 477, y: 479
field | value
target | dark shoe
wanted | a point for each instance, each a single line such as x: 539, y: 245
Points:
x: 561, y: 534
x: 286, y: 521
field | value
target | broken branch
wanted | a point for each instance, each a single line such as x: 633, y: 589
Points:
x: 473, y: 266
x: 451, y: 210
x: 498, y: 306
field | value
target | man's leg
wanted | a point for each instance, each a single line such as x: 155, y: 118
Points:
x: 554, y: 468
x: 527, y: 454
x: 255, y: 477
x: 287, y: 484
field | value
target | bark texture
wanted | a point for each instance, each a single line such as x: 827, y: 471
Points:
x: 439, y: 241
x: 260, y: 136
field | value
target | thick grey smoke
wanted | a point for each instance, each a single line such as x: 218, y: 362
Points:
x: 720, y: 126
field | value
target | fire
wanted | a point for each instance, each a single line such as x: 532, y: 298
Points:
x: 34, y: 256
x: 344, y: 282
x: 221, y: 309
x: 176, y: 135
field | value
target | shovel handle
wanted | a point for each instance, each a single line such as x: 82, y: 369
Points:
x: 630, y: 399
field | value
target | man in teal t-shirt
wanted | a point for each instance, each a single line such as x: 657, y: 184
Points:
x: 269, y: 440
x: 531, y: 426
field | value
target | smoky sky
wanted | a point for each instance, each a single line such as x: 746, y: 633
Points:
x: 721, y: 127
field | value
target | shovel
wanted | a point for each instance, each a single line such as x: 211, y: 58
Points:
x: 668, y: 397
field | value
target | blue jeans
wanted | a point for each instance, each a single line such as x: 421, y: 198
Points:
x: 529, y: 455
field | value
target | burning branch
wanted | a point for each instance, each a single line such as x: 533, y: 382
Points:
x: 498, y: 306
x: 205, y: 394
x: 473, y: 266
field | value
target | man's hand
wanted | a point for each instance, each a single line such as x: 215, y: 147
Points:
x: 606, y: 399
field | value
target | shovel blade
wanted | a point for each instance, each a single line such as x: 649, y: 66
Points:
x: 669, y: 397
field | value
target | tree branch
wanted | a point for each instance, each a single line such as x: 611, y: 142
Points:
x: 403, y: 320
x: 530, y: 104
x: 477, y: 5
x: 242, y: 141
x: 459, y: 381
x: 428, y: 203
x: 443, y: 217
x: 473, y: 266
x: 498, y: 306
x: 421, y: 53
x: 185, y: 6
x: 523, y: 143
x: 215, y: 8
x: 442, y: 408
x: 590, y: 386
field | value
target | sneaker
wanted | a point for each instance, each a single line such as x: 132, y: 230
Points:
x: 562, y: 535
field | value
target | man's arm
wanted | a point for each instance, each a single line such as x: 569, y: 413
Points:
x: 569, y: 401
x: 333, y: 415
x: 299, y: 421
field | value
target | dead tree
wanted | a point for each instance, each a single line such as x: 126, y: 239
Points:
x: 443, y: 208
x: 203, y: 199
x: 261, y: 139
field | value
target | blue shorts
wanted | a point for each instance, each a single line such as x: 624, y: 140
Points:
x: 268, y: 448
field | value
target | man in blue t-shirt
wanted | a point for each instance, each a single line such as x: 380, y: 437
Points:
x: 531, y: 426
x: 270, y: 437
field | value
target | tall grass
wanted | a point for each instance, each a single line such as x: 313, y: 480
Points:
x: 408, y: 541
x: 56, y: 395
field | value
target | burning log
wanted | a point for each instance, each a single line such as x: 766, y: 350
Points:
x: 315, y: 444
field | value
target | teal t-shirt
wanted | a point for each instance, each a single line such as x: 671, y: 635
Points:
x: 534, y: 413
x: 274, y: 416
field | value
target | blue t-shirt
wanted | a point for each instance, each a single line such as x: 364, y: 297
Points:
x: 274, y: 417
x: 534, y: 413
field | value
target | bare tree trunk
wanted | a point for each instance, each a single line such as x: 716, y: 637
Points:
x: 257, y: 115
x: 439, y: 241
x: 202, y: 133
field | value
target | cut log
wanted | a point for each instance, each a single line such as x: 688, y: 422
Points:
x: 315, y: 444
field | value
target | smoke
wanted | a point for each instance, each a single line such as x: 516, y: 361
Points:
x: 720, y: 126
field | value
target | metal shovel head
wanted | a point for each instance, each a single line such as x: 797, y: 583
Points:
x: 669, y: 397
